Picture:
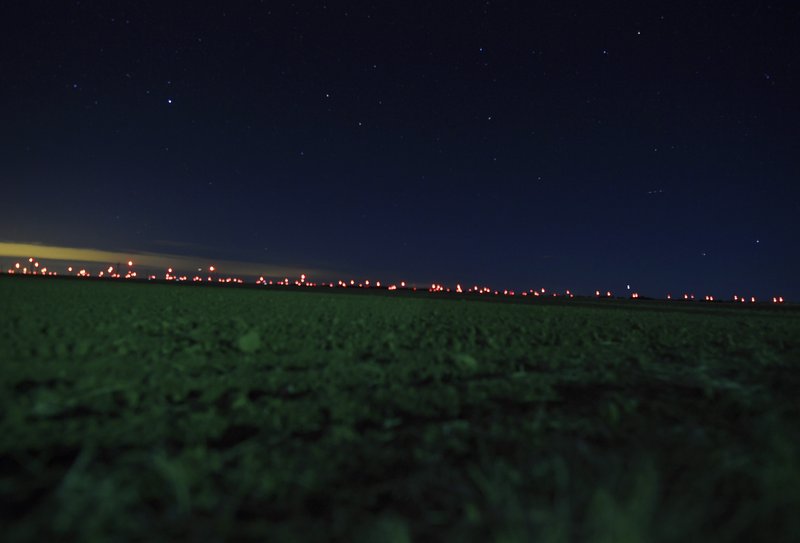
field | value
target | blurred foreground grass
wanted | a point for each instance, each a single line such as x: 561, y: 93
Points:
x: 156, y: 412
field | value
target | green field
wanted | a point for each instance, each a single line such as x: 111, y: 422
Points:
x: 164, y: 412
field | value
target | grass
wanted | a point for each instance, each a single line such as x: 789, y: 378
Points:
x: 160, y: 412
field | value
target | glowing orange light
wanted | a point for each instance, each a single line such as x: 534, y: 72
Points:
x: 68, y: 269
x: 17, y: 266
x: 30, y: 259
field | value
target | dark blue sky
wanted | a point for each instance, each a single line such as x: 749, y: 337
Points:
x: 516, y: 144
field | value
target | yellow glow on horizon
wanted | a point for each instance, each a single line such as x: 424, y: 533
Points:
x: 74, y: 255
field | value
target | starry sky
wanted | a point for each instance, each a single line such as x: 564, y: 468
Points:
x: 582, y: 145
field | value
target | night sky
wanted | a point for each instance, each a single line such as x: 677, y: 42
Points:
x: 581, y: 145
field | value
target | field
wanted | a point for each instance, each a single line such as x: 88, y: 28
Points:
x: 162, y: 412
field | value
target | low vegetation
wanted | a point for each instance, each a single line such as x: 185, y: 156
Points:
x: 162, y: 412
